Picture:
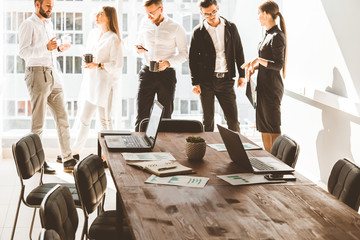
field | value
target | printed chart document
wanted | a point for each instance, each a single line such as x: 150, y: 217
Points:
x: 185, y: 181
x: 247, y: 179
x: 221, y: 147
x: 148, y: 156
x: 163, y: 168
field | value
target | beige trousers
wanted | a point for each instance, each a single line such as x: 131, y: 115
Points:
x: 40, y: 82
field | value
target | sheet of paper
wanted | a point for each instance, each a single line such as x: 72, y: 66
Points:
x: 218, y: 147
x: 179, y: 180
x: 247, y: 179
x: 221, y: 147
x: 250, y: 146
x: 148, y: 156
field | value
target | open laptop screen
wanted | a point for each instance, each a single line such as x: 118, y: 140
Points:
x: 154, y: 121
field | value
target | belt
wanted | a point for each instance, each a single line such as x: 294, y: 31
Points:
x: 220, y: 74
x: 39, y: 68
x: 167, y: 69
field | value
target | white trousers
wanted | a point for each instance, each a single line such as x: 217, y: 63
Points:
x: 85, y: 121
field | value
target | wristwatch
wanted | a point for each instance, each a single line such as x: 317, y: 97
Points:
x: 99, y: 66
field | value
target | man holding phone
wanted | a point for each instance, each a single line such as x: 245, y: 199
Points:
x: 38, y: 47
x: 162, y: 44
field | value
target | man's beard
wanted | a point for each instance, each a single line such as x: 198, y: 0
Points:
x: 157, y: 20
x: 43, y: 13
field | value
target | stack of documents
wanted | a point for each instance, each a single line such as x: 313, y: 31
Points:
x: 163, y: 168
x: 247, y: 179
x: 148, y: 156
x: 162, y: 165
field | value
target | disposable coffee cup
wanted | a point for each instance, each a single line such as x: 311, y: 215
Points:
x: 88, y: 58
x: 154, y: 66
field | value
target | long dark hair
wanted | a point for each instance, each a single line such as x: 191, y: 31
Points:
x: 113, y: 22
x: 272, y: 8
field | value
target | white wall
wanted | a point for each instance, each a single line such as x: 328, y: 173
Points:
x: 323, y: 42
x: 321, y: 108
x: 2, y: 77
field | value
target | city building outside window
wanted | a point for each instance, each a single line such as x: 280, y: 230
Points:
x: 76, y: 18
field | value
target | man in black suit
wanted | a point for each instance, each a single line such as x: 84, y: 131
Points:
x: 214, y: 49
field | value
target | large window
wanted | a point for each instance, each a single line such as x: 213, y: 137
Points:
x: 76, y: 18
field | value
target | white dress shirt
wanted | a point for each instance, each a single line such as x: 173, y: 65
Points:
x: 217, y: 35
x: 34, y: 35
x: 165, y: 42
x: 106, y: 50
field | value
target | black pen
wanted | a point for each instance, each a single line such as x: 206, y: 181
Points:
x: 166, y: 168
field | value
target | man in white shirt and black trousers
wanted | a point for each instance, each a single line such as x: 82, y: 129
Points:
x: 215, y: 48
x: 163, y: 41
x: 38, y: 47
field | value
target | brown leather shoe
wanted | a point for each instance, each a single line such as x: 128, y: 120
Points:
x: 48, y: 169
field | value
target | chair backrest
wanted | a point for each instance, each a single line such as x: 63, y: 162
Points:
x: 28, y: 155
x: 175, y: 125
x: 286, y: 149
x: 58, y: 212
x: 90, y: 180
x: 344, y: 183
x: 49, y: 235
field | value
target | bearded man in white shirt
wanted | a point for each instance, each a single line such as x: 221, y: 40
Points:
x: 163, y: 41
x: 38, y: 47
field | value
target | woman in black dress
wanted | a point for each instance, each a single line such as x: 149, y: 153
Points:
x: 270, y: 88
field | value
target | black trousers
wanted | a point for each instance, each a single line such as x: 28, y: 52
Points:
x: 161, y: 84
x: 223, y: 90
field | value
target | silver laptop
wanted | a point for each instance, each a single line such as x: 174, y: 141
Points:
x: 138, y: 143
x: 238, y: 155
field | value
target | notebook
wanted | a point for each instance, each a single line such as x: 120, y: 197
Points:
x: 163, y: 168
x: 238, y: 154
x: 138, y: 143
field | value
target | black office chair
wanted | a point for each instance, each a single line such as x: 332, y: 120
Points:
x: 49, y: 235
x: 344, y: 183
x: 90, y: 180
x: 29, y: 158
x: 175, y: 125
x: 286, y: 149
x: 58, y: 212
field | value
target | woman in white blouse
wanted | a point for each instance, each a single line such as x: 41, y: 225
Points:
x: 101, y: 75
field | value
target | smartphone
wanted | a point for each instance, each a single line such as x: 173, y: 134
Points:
x: 141, y: 47
x: 287, y: 177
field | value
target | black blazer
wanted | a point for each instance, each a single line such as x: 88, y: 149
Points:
x: 202, y: 55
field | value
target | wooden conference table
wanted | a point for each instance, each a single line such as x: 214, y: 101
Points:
x: 294, y: 210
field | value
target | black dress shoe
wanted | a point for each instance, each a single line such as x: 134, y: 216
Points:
x: 48, y: 169
x: 69, y: 165
x: 105, y: 164
x: 76, y: 156
x: 59, y: 158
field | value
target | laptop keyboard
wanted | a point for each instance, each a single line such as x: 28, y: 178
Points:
x: 134, y: 141
x: 256, y: 163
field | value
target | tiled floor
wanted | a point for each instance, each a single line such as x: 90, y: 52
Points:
x: 9, y: 195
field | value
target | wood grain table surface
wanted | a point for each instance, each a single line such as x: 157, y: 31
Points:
x: 292, y: 210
